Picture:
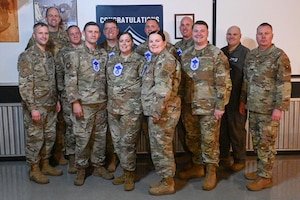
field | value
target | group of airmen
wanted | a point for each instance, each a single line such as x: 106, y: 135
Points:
x: 88, y: 102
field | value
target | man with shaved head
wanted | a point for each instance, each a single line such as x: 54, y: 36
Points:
x: 186, y: 26
x: 233, y: 130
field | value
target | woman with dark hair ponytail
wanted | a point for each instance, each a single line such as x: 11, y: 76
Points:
x: 161, y: 106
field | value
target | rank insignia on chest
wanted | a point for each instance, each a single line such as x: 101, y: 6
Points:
x: 96, y: 65
x: 148, y: 56
x: 195, y: 64
x: 118, y: 69
x: 179, y: 52
x: 144, y: 70
x: 111, y: 54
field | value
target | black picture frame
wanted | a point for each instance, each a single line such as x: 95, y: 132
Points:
x: 177, y: 19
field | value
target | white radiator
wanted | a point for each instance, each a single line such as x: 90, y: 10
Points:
x: 289, y: 133
x: 12, y: 132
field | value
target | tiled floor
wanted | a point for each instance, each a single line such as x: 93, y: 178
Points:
x: 15, y: 184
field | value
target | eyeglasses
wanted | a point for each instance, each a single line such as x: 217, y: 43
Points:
x: 110, y: 29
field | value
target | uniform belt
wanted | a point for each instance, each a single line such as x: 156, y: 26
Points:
x: 96, y: 105
x: 49, y: 108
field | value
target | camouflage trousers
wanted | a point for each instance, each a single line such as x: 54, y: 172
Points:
x: 192, y: 133
x: 124, y: 131
x: 264, y: 132
x: 69, y: 138
x: 202, y: 137
x: 40, y: 137
x: 161, y: 136
x: 90, y: 135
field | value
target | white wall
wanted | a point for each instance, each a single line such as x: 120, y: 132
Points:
x: 170, y: 7
x: 283, y: 15
x: 87, y: 12
x: 9, y: 51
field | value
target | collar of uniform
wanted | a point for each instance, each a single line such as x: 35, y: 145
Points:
x: 39, y: 52
x: 89, y: 50
x: 267, y: 51
x: 109, y: 48
x: 56, y: 34
x: 186, y: 42
x: 204, y: 50
x: 162, y: 54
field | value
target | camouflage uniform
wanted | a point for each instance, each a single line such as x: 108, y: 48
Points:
x: 143, y: 50
x: 69, y: 138
x: 267, y: 86
x: 233, y: 130
x: 110, y: 150
x: 183, y: 45
x: 111, y: 51
x: 124, y: 105
x: 204, y: 76
x: 57, y: 40
x: 86, y: 82
x: 37, y: 87
x: 160, y: 82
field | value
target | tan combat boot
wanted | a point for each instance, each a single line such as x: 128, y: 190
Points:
x: 113, y: 162
x: 102, y: 172
x: 79, y: 180
x: 251, y: 175
x: 119, y: 180
x: 129, y: 180
x: 36, y: 175
x: 47, y: 169
x: 210, y: 181
x: 235, y: 167
x: 71, y: 168
x: 61, y: 160
x: 197, y: 171
x: 259, y: 184
x: 166, y: 186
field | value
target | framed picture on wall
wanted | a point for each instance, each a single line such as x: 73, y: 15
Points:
x: 67, y: 10
x: 9, y: 26
x: 177, y: 20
